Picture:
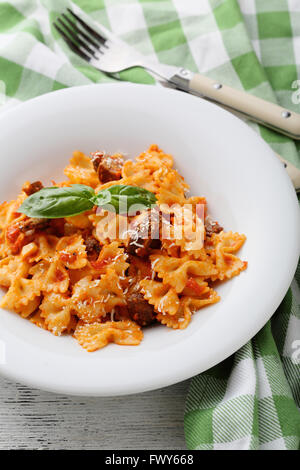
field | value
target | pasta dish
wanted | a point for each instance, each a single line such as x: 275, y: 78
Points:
x: 118, y: 246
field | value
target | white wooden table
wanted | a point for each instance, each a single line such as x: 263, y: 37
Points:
x: 32, y: 419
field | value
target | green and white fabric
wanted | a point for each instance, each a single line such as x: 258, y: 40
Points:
x: 250, y: 400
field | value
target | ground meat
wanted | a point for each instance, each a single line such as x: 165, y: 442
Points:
x: 92, y: 248
x: 139, y: 310
x: 107, y: 167
x: 20, y: 233
x: 97, y: 158
x: 31, y: 188
x: 31, y: 225
x: 144, y: 233
x: 212, y: 227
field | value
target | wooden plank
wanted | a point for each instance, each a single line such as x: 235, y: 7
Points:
x: 32, y: 419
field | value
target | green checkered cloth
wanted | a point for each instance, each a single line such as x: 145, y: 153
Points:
x: 250, y: 400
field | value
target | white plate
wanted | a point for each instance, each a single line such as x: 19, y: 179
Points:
x: 220, y: 157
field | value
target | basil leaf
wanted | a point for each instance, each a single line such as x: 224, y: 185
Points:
x: 122, y: 197
x: 53, y: 202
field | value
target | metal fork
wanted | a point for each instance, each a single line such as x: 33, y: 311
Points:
x: 105, y: 51
x: 110, y: 54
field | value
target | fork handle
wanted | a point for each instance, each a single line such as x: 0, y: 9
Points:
x: 250, y: 106
x: 260, y: 110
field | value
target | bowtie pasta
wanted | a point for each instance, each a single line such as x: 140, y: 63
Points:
x: 103, y: 277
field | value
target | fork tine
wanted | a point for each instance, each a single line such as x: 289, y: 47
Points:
x: 72, y: 45
x: 79, y: 31
x: 75, y: 38
x: 96, y: 35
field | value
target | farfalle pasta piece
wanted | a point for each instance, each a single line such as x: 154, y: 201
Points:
x: 170, y: 248
x: 56, y: 312
x: 177, y: 271
x: 28, y: 251
x: 230, y: 242
x: 180, y: 320
x: 46, y: 248
x: 12, y: 267
x: 50, y: 276
x: 137, y: 175
x: 71, y: 251
x: 23, y: 296
x: 38, y: 320
x: 76, y: 275
x: 172, y: 189
x: 173, y: 249
x: 81, y: 170
x: 163, y: 297
x: 159, y: 175
x: 227, y: 264
x: 188, y: 305
x: 111, y: 256
x: 154, y: 158
x: 145, y: 171
x: 186, y: 231
x: 95, y: 336
x: 109, y: 227
x: 196, y: 287
x: 208, y: 298
x: 92, y: 299
x: 26, y: 310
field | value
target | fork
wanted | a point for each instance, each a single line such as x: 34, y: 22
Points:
x: 110, y: 54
